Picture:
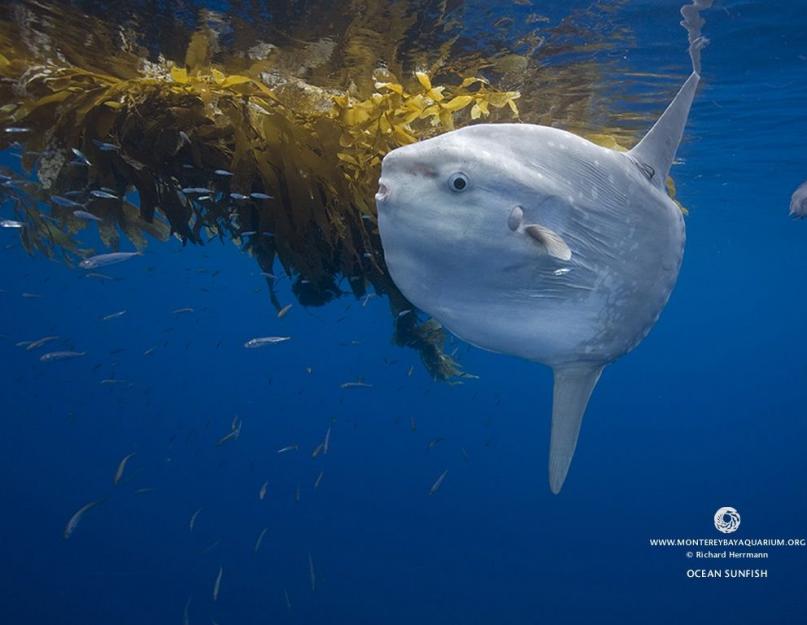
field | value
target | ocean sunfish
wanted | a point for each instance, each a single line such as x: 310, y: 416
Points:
x: 532, y: 241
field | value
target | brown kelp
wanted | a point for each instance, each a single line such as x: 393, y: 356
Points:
x: 268, y: 128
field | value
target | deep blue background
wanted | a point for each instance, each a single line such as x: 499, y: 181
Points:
x: 708, y: 411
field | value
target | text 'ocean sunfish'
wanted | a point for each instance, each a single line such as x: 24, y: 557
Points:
x: 532, y: 241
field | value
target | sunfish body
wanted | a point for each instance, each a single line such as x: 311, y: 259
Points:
x: 532, y: 241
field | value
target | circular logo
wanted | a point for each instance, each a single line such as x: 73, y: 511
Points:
x: 727, y: 520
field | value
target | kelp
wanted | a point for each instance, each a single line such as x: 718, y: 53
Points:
x: 277, y: 146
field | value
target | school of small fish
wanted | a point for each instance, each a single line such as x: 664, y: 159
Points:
x: 131, y: 464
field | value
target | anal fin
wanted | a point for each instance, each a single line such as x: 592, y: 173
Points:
x: 572, y: 390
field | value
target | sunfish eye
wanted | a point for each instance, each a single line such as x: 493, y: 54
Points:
x: 458, y: 182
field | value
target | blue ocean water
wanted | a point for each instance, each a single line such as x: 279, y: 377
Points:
x: 707, y: 412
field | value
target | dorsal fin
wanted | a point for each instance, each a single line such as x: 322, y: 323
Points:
x: 656, y: 151
x: 658, y: 147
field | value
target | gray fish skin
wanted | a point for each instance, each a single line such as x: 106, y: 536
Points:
x: 102, y: 260
x: 532, y: 241
x: 798, y: 202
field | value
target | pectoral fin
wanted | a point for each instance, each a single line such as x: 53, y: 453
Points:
x: 550, y: 240
x: 573, y: 387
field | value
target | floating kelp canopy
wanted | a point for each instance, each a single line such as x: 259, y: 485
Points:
x: 266, y: 126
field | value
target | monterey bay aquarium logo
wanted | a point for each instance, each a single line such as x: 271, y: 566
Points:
x: 724, y: 554
x: 727, y: 520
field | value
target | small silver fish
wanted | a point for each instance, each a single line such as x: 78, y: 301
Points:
x: 76, y: 518
x: 312, y: 574
x: 217, y: 584
x: 317, y: 451
x: 284, y: 311
x: 180, y: 311
x: 86, y: 215
x: 319, y: 479
x: 231, y: 436
x: 54, y: 356
x: 114, y: 315
x: 261, y: 196
x: 288, y: 448
x: 238, y: 196
x: 262, y: 491
x: 40, y: 342
x: 438, y: 483
x: 98, y: 276
x: 81, y: 159
x: 223, y: 172
x: 102, y: 260
x: 266, y: 340
x: 63, y: 201
x: 260, y: 539
x: 103, y: 195
x: 106, y: 147
x: 434, y: 442
x: 355, y: 385
x: 195, y: 190
x: 121, y: 469
x: 327, y: 442
x: 15, y: 130
x: 10, y: 223
x: 194, y: 516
